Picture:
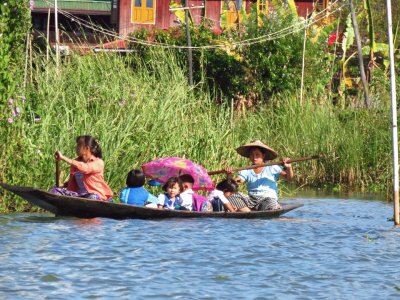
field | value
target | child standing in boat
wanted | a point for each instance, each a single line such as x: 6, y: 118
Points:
x: 171, y: 199
x: 86, y: 178
x: 135, y: 193
x: 261, y: 181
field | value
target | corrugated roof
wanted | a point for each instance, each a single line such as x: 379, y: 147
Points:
x: 98, y: 5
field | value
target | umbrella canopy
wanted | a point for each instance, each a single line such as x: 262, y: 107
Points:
x: 162, y: 169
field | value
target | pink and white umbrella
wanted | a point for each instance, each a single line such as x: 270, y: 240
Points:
x: 162, y: 169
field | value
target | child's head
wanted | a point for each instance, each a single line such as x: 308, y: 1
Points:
x: 187, y: 181
x: 257, y: 155
x: 173, y: 187
x: 257, y: 152
x: 87, y: 144
x: 135, y: 178
x: 228, y: 186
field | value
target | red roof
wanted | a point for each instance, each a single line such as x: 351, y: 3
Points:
x: 118, y: 44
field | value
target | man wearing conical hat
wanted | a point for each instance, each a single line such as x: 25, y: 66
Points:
x: 261, y: 182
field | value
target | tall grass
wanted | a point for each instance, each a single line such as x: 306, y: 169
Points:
x: 143, y: 110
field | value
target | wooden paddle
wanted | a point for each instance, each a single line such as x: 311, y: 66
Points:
x: 57, y: 173
x: 280, y: 162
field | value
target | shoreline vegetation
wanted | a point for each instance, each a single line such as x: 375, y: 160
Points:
x: 141, y: 107
x: 139, y: 115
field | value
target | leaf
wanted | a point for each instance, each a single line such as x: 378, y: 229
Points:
x: 348, y: 36
x: 382, y: 48
x: 180, y: 14
x: 292, y: 7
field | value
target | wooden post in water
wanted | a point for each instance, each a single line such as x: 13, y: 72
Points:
x: 394, y: 117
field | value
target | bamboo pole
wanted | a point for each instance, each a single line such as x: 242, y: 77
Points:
x: 189, y: 43
x: 56, y: 32
x: 303, y: 63
x: 232, y: 111
x: 30, y: 59
x: 26, y: 60
x: 48, y: 36
x: 394, y: 117
x: 367, y: 100
x: 272, y: 163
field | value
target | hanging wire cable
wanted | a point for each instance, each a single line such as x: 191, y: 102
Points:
x: 271, y: 36
x: 296, y: 27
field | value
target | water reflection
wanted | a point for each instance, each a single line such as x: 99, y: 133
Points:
x: 327, y: 249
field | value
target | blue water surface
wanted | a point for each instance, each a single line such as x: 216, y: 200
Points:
x: 327, y: 249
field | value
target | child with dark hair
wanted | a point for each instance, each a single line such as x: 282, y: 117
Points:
x: 86, y: 177
x: 218, y: 198
x: 170, y: 199
x: 187, y: 194
x: 190, y: 199
x: 261, y: 181
x: 135, y: 193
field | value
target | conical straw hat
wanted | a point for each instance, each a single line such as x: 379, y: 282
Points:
x: 245, y: 150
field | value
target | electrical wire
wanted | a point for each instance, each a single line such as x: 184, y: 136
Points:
x: 296, y: 27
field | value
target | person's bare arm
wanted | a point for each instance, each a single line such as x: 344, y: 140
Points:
x: 287, y: 172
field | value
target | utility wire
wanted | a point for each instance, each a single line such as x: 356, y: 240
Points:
x: 296, y: 27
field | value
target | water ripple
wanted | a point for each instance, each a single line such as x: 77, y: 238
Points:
x: 328, y: 249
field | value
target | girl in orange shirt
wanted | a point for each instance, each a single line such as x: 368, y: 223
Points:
x: 86, y: 173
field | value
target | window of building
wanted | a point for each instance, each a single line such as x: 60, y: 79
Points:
x: 143, y: 11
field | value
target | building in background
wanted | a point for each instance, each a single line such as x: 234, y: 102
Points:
x: 99, y: 13
x: 125, y: 16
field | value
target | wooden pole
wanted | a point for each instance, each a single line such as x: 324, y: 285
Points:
x: 232, y: 111
x: 189, y: 43
x: 26, y: 60
x: 280, y: 162
x: 394, y: 117
x: 48, y: 36
x: 303, y: 63
x: 360, y: 56
x: 57, y: 173
x: 57, y: 35
x: 30, y: 59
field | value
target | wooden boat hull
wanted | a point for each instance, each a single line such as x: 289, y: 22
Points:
x: 85, y: 208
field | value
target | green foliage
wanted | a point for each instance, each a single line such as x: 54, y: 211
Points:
x: 14, y: 26
x: 275, y: 64
x: 219, y: 68
x: 255, y: 71
x: 152, y: 112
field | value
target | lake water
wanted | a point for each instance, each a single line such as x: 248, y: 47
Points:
x: 327, y: 249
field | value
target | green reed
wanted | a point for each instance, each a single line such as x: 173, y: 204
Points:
x: 143, y: 110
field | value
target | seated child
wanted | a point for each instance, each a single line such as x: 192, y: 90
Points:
x: 190, y: 200
x: 170, y: 199
x: 217, y: 199
x: 86, y: 176
x: 135, y: 193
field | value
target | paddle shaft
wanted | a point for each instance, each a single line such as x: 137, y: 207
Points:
x: 280, y: 162
x: 57, y: 173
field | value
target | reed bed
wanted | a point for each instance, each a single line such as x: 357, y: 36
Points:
x: 143, y: 110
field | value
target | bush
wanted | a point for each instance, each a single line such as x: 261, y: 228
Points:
x: 15, y: 22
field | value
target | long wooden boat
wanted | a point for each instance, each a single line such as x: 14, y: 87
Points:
x: 84, y: 208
